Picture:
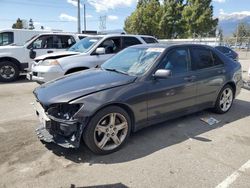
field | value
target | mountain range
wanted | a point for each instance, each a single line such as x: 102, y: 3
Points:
x: 228, y: 22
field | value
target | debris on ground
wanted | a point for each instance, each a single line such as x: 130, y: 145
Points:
x: 210, y: 120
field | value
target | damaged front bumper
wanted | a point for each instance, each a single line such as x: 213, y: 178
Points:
x: 66, y: 133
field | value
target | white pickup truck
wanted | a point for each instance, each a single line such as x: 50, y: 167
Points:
x: 17, y: 59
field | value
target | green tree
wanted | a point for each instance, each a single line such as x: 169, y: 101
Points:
x: 242, y: 32
x: 198, y: 18
x: 145, y: 19
x: 171, y: 23
x: 18, y: 24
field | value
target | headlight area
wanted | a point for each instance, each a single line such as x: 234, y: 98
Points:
x: 50, y: 62
x: 62, y: 128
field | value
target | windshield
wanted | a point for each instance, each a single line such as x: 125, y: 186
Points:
x: 6, y: 38
x: 84, y: 45
x: 133, y: 61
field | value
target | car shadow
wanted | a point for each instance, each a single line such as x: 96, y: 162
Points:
x: 157, y: 137
x: 21, y: 79
x: 116, y: 185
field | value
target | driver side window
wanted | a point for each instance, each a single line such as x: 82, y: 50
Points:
x: 43, y: 42
x: 111, y: 45
x: 177, y: 61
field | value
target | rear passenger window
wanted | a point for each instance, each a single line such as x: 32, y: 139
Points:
x: 201, y: 58
x: 130, y: 41
x: 149, y: 40
x: 177, y: 61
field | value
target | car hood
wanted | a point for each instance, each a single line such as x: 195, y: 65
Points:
x: 56, y: 55
x: 80, y: 84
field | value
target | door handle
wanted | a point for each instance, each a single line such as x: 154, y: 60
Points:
x: 50, y: 51
x: 190, y: 78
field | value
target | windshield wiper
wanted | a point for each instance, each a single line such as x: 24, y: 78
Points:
x: 115, y: 70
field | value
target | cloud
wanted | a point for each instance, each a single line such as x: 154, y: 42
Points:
x: 105, y: 5
x: 220, y: 1
x: 66, y: 17
x: 89, y: 16
x: 233, y: 15
x: 37, y: 24
x: 112, y: 17
x: 74, y: 3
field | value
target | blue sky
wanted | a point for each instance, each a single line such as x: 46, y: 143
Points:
x: 61, y: 14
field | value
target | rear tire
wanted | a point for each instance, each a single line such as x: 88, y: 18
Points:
x: 108, y: 130
x: 9, y: 71
x: 224, y: 100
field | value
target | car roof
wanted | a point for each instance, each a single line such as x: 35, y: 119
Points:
x: 161, y: 45
x: 125, y: 35
x: 56, y: 33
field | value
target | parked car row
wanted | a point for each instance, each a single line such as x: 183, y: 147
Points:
x: 18, y: 58
x: 88, y: 53
x: 140, y: 86
x: 104, y: 87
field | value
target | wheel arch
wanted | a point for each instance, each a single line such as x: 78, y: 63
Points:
x: 233, y: 85
x: 11, y: 59
x: 75, y: 69
x: 125, y: 107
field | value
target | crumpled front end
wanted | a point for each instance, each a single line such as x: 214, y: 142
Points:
x: 59, y: 124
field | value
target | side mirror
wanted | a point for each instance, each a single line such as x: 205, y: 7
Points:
x: 32, y: 54
x: 100, y: 51
x: 162, y: 73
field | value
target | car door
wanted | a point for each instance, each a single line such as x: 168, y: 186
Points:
x: 173, y: 96
x: 42, y: 45
x: 209, y: 71
x: 111, y: 45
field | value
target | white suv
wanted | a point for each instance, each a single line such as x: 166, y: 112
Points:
x: 89, y: 53
x: 15, y: 59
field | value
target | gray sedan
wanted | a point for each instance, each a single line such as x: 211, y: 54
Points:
x: 140, y: 86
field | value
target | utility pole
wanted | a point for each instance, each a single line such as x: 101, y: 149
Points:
x: 78, y: 17
x: 84, y: 18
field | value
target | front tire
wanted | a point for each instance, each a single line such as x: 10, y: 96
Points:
x: 224, y: 100
x: 108, y: 130
x: 9, y: 71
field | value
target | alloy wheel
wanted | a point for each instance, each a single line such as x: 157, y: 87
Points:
x: 111, y: 131
x: 226, y: 99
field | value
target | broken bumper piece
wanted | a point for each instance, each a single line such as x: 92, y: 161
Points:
x: 66, y: 133
x: 44, y: 135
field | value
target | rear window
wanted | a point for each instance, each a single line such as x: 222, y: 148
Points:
x: 223, y: 49
x: 149, y: 40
